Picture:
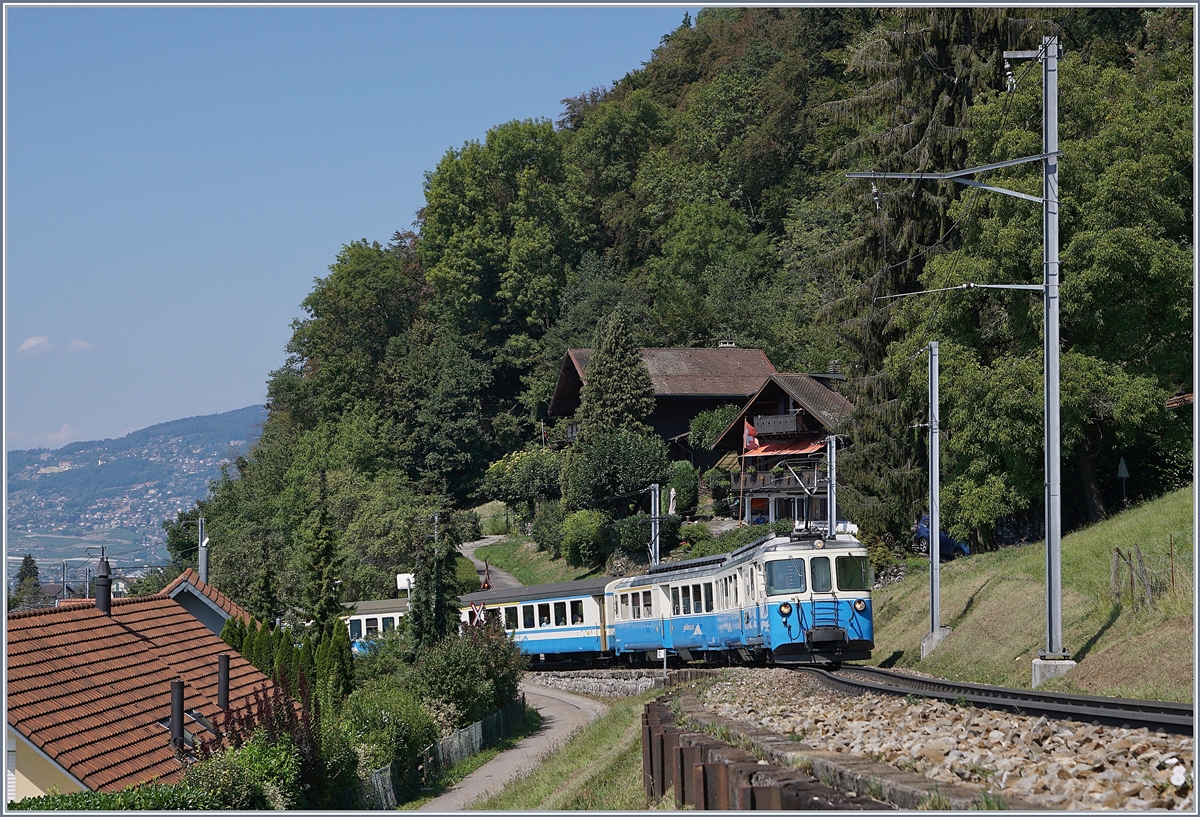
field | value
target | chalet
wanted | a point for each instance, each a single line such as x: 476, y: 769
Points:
x: 685, y: 381
x: 783, y: 472
x: 92, y: 686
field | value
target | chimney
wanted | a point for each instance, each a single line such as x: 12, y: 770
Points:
x: 727, y: 343
x: 223, y: 681
x: 104, y: 589
x: 177, y: 713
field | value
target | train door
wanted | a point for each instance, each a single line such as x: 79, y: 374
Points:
x: 603, y: 630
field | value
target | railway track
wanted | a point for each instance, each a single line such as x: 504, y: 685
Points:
x: 1165, y: 716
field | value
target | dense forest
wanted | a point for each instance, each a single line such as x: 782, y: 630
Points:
x: 704, y: 196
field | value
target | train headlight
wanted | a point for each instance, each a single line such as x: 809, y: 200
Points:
x: 818, y: 544
x: 785, y: 609
x: 860, y: 605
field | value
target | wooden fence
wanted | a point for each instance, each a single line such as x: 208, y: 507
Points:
x: 1138, y: 579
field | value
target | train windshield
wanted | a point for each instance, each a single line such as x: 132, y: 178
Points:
x: 854, y: 573
x: 822, y: 581
x: 785, y: 577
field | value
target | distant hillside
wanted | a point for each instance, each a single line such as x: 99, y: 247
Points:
x: 132, y: 482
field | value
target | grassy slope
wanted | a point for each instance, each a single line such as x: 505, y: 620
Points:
x: 995, y: 603
x: 517, y: 556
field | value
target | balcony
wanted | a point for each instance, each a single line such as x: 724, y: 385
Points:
x: 776, y: 424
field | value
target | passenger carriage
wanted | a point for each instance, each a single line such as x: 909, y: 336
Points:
x: 550, y: 622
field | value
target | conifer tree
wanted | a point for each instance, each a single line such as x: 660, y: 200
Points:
x: 231, y: 634
x: 618, y: 393
x: 321, y: 592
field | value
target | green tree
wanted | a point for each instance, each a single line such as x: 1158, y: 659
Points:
x: 321, y: 592
x: 617, y: 393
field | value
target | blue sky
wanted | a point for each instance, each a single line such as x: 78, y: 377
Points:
x: 175, y: 178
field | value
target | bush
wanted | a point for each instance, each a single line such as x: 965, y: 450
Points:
x: 471, y: 675
x: 585, y: 538
x: 547, y: 528
x: 144, y: 797
x: 717, y: 482
x: 706, y: 425
x: 695, y: 533
x: 522, y: 478
x: 386, y: 723
x: 261, y: 770
x: 634, y: 533
x: 466, y: 525
x: 687, y: 488
x: 612, y: 464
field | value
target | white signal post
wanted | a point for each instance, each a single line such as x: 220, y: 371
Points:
x: 1054, y: 660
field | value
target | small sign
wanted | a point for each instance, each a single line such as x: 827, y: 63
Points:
x: 1122, y: 470
x: 662, y: 653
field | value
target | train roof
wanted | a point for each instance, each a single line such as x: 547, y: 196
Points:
x: 582, y: 587
x: 375, y: 606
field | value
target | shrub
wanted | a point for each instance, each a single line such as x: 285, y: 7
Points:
x: 717, y: 482
x: 387, y: 723
x: 706, y: 425
x: 634, y: 533
x: 547, y: 528
x: 144, y: 797
x: 260, y: 774
x: 585, y: 538
x: 466, y: 525
x: 687, y: 487
x: 471, y: 675
x: 695, y: 533
x: 612, y: 464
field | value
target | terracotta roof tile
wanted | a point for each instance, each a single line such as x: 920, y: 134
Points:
x: 92, y: 691
x: 191, y: 577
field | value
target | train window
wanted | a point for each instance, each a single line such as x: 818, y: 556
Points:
x: 733, y: 585
x: 687, y: 600
x: 560, y: 614
x: 697, y: 607
x: 543, y: 615
x: 675, y: 600
x: 389, y: 624
x: 708, y: 597
x: 637, y: 605
x: 854, y: 573
x: 577, y: 611
x: 750, y: 586
x: 647, y: 604
x: 372, y: 626
x: 527, y: 617
x: 510, y: 618
x: 822, y: 582
x: 355, y: 629
x: 624, y: 614
x: 785, y: 577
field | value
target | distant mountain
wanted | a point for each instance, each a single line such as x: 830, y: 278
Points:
x: 133, y: 482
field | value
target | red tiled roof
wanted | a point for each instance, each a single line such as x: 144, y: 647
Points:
x: 214, y: 595
x: 1181, y: 400
x: 93, y: 691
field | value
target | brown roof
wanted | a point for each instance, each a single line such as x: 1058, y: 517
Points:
x: 824, y: 404
x: 191, y: 577
x: 94, y: 692
x: 723, y: 372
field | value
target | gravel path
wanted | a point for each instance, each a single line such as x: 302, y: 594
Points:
x: 1061, y: 764
x: 499, y: 578
x: 562, y: 713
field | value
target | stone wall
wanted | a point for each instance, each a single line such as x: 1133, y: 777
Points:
x: 613, y: 683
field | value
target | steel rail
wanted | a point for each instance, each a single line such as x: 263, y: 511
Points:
x: 1166, y: 716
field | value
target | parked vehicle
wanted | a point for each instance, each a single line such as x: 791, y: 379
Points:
x: 948, y: 547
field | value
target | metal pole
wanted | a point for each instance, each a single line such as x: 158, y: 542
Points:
x: 831, y: 490
x: 654, y: 524
x: 935, y: 529
x: 1054, y: 642
x: 202, y: 557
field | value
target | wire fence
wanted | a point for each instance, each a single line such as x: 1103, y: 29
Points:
x: 1139, y: 577
x: 395, y: 783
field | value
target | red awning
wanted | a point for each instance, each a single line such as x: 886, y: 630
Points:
x: 785, y: 448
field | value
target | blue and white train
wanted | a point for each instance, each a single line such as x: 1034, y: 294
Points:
x: 798, y: 598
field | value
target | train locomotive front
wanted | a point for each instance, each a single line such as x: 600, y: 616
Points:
x: 817, y: 599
